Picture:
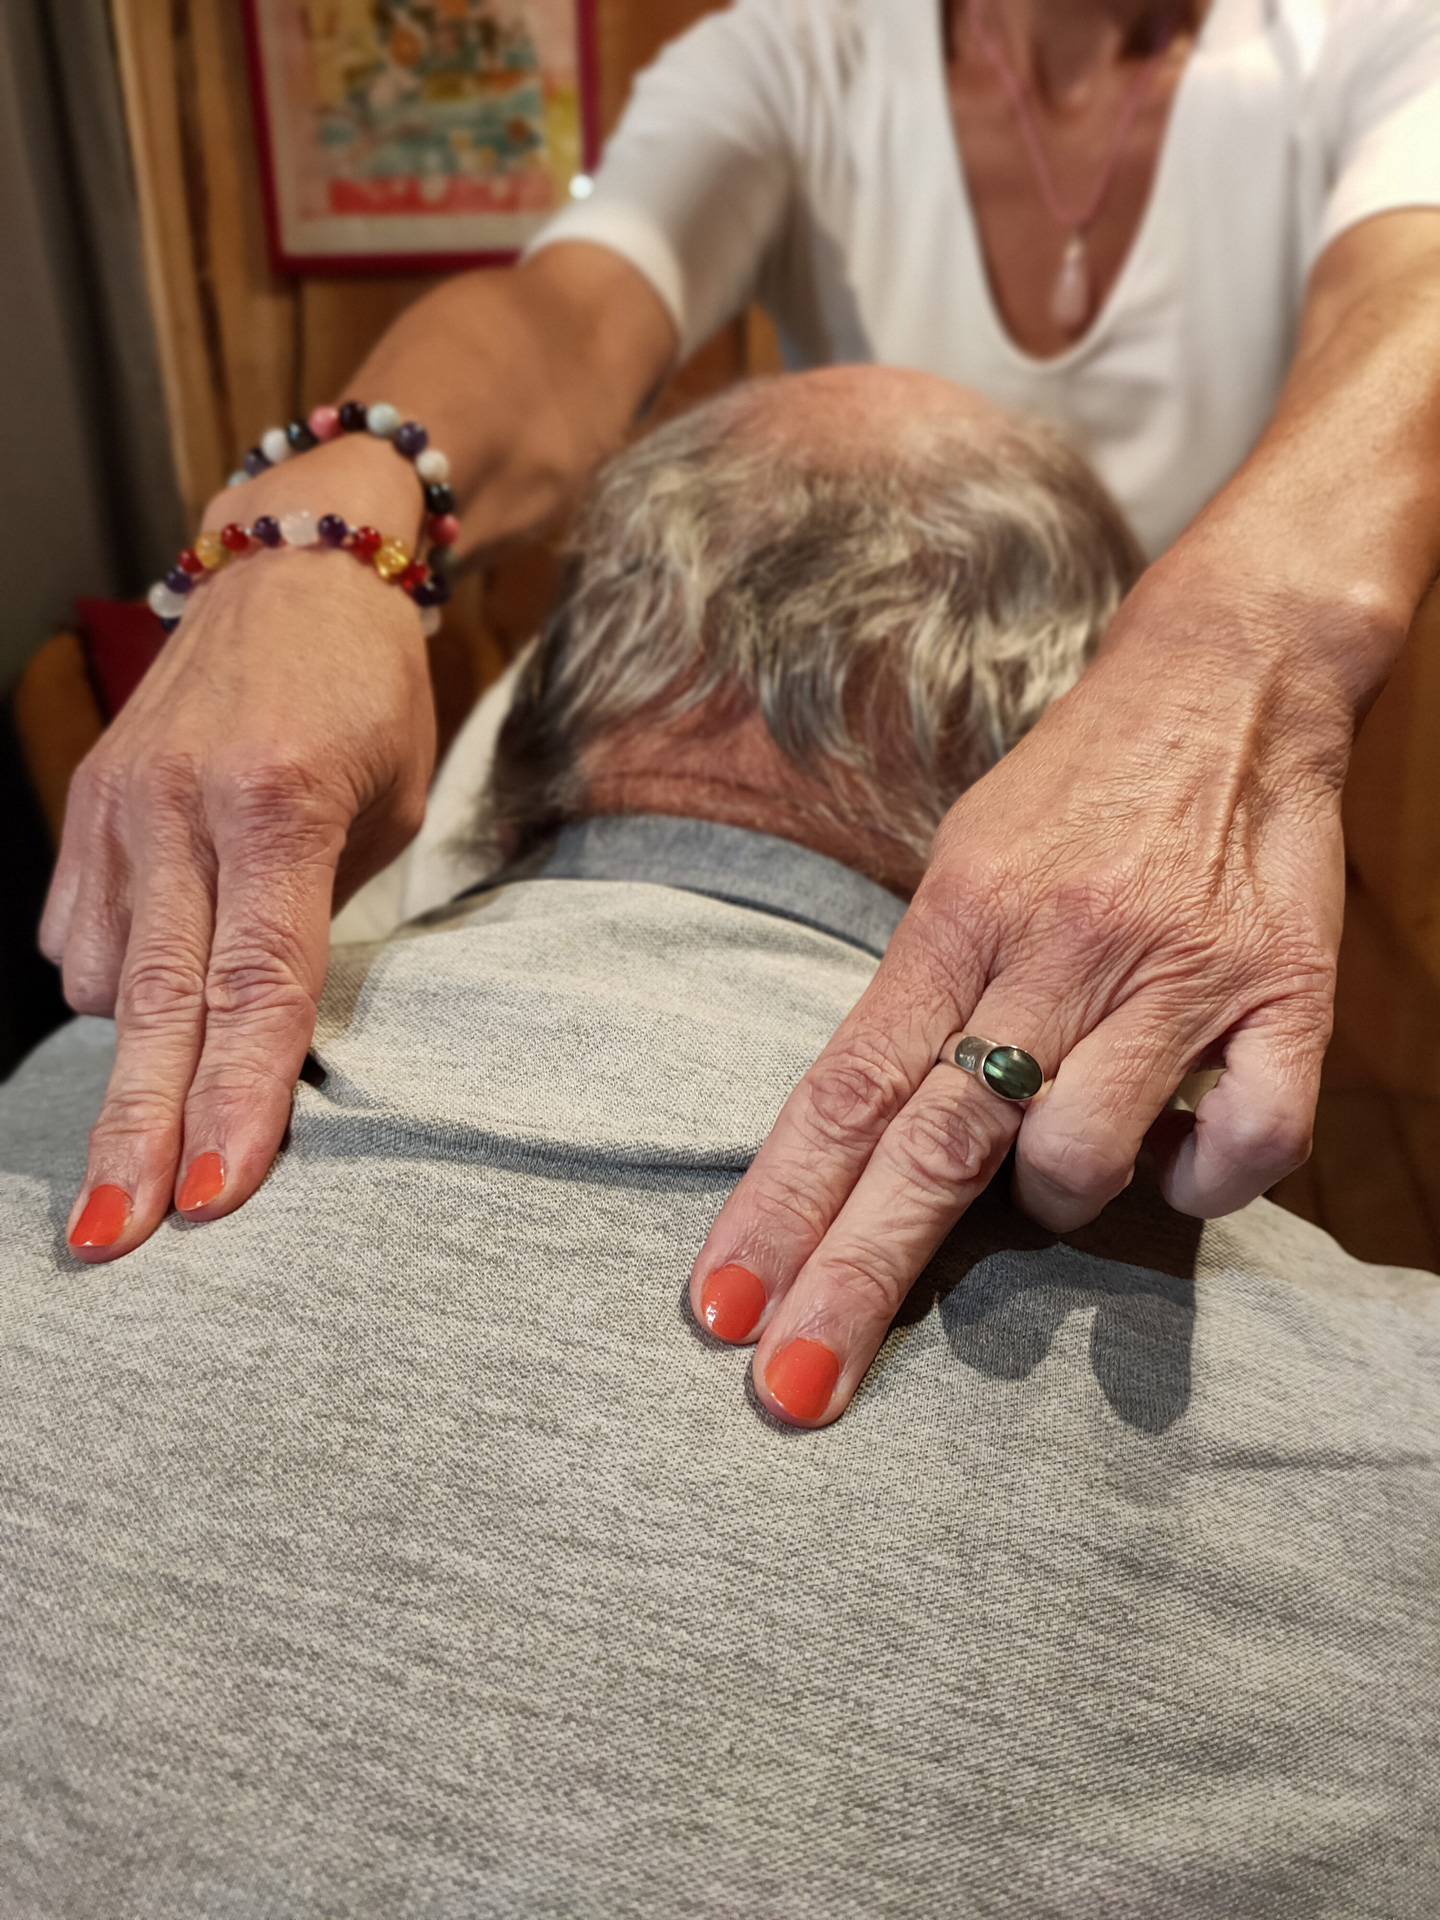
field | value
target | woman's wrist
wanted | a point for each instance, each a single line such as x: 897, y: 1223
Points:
x: 1236, y: 604
x: 358, y: 476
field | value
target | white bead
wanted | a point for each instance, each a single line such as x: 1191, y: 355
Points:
x: 429, y: 621
x: 581, y: 186
x: 275, y: 446
x: 432, y: 465
x: 382, y: 419
x: 299, y: 529
x: 237, y: 478
x: 165, y: 601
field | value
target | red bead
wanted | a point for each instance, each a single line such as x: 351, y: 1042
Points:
x: 237, y: 539
x: 443, y: 528
x: 366, y: 542
x: 413, y: 574
x: 191, y: 561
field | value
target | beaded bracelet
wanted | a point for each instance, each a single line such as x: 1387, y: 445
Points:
x: 387, y: 553
x: 382, y: 420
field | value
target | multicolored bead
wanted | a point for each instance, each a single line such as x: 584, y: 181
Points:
x: 433, y: 592
x: 165, y: 603
x: 391, y: 559
x: 299, y: 528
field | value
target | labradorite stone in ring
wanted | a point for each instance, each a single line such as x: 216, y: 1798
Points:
x: 1012, y: 1073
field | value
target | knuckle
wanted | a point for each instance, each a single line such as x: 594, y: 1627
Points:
x: 938, y: 1148
x: 167, y: 782
x: 1274, y: 1142
x: 1079, y: 1164
x: 869, y: 1286
x: 159, y: 987
x: 853, y: 1096
x: 89, y: 988
x: 259, y: 981
x: 136, y: 1107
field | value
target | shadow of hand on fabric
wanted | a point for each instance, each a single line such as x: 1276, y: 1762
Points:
x: 1136, y: 1269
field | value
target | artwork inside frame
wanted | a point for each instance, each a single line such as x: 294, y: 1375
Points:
x: 416, y: 135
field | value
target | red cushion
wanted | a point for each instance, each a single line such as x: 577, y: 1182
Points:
x: 121, y: 638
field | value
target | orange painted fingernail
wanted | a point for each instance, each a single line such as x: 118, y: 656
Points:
x: 731, y: 1301
x: 204, y: 1178
x: 802, y: 1378
x: 103, y: 1220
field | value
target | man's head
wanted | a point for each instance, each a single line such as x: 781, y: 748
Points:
x: 820, y: 607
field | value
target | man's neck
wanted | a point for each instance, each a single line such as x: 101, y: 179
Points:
x: 738, y: 778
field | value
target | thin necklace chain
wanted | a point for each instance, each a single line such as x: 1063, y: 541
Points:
x: 1073, y: 220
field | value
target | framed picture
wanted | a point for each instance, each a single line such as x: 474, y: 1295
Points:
x: 400, y: 135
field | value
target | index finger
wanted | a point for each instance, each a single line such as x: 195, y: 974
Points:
x: 829, y: 1127
x: 266, y: 971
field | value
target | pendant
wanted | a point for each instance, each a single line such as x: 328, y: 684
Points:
x: 1070, y: 296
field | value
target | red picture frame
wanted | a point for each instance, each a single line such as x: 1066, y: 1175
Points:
x: 418, y: 136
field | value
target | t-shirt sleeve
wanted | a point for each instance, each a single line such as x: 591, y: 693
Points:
x: 697, y: 177
x: 1381, y: 100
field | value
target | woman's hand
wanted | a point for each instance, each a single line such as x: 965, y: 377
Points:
x: 275, y: 756
x: 1151, y: 880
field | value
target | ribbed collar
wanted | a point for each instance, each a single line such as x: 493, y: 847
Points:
x: 727, y: 863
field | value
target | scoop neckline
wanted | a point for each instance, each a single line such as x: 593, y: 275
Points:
x: 1037, y: 364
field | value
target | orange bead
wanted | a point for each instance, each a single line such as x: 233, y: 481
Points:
x: 392, y: 559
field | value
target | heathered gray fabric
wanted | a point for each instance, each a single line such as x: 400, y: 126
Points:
x: 397, y: 1547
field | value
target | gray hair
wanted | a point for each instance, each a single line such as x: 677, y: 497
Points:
x: 898, y: 626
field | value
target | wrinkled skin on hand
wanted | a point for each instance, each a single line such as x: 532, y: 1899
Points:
x: 1152, y: 880
x: 275, y: 756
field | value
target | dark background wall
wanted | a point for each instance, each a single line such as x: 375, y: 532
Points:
x: 88, y: 502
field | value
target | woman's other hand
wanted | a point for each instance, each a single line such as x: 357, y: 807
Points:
x: 274, y: 757
x: 278, y: 752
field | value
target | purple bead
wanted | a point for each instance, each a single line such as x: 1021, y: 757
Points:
x: 178, y: 580
x: 267, y: 531
x: 332, y: 530
x: 352, y: 417
x: 433, y: 592
x: 254, y: 462
x: 411, y: 439
x: 170, y: 625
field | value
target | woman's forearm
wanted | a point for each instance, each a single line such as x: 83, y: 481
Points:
x: 525, y: 378
x: 1336, y: 514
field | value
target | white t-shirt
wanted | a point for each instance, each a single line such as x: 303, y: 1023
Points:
x: 802, y: 152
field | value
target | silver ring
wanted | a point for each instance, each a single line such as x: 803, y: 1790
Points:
x: 1009, y: 1072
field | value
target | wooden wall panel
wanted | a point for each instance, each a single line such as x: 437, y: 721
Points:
x: 243, y: 347
x: 1392, y: 800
